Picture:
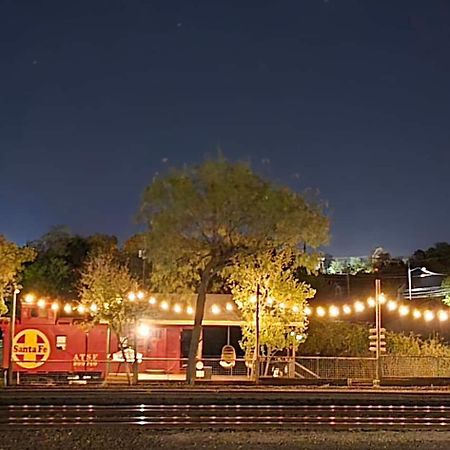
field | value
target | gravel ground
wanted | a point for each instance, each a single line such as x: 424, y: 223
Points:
x: 141, y: 439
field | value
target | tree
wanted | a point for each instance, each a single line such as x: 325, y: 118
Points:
x: 135, y: 250
x: 12, y: 260
x: 60, y: 256
x: 436, y: 258
x: 201, y: 218
x: 402, y: 344
x: 106, y: 283
x: 282, y: 301
x: 336, y: 338
x: 351, y: 266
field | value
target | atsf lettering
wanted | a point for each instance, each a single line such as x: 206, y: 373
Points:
x: 85, y: 360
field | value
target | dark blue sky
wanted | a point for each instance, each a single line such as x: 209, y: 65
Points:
x: 349, y: 97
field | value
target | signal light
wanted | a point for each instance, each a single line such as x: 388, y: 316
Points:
x: 373, y: 340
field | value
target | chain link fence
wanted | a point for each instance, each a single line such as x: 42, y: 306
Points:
x: 308, y: 368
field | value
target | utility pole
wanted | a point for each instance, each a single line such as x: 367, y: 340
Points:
x: 135, y: 349
x: 143, y: 255
x: 257, y: 355
x: 12, y: 334
x: 377, y: 336
x: 409, y: 281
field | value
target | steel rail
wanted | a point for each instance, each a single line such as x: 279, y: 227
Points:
x: 229, y: 416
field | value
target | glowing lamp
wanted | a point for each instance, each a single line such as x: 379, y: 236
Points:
x: 320, y: 311
x: 41, y: 303
x: 392, y: 305
x: 143, y: 330
x: 29, y: 298
x: 333, y: 311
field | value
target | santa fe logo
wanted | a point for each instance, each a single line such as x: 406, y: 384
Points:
x: 31, y: 348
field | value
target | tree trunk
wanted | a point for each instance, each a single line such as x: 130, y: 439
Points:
x: 197, y: 330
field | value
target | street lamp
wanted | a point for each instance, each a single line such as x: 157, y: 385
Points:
x: 12, y: 333
x: 424, y: 273
x: 257, y: 355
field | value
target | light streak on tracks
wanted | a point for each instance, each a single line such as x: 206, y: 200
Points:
x: 238, y: 416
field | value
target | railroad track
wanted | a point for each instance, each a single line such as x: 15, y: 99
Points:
x: 233, y: 417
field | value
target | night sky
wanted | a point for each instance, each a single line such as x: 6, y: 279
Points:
x: 348, y: 97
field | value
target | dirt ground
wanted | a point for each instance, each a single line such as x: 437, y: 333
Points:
x: 142, y: 439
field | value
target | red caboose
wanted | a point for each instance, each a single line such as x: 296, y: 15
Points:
x: 48, y: 346
x: 54, y: 344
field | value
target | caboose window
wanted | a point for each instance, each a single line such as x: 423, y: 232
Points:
x: 61, y: 342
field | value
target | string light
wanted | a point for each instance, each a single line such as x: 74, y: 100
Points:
x: 164, y: 305
x: 320, y: 311
x: 382, y: 299
x: 29, y: 298
x: 41, y: 303
x: 392, y: 305
x: 333, y: 311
